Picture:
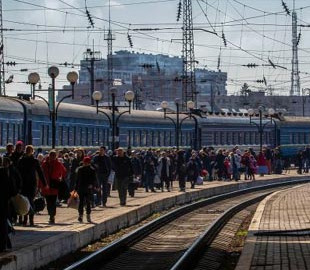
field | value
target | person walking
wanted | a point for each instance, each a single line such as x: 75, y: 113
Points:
x: 123, y: 173
x: 181, y: 170
x: 85, y: 182
x: 164, y: 171
x: 18, y: 153
x: 7, y: 190
x: 150, y: 164
x: 29, y: 169
x: 192, y: 170
x: 54, y: 172
x: 102, y: 164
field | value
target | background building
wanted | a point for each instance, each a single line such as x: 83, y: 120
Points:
x: 153, y: 78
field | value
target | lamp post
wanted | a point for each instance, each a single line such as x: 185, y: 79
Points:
x: 177, y: 124
x: 33, y: 79
x: 53, y: 72
x: 260, y: 126
x: 72, y: 78
x: 114, y: 117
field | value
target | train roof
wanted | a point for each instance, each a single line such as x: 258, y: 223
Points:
x: 296, y: 119
x: 11, y: 105
x: 39, y: 107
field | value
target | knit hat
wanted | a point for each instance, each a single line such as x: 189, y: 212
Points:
x: 86, y: 159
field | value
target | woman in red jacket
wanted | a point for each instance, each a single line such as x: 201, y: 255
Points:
x: 262, y: 164
x: 54, y: 172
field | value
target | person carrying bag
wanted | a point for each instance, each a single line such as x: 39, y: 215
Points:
x: 54, y: 172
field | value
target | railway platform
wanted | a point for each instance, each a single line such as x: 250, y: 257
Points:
x: 278, y: 237
x: 36, y: 246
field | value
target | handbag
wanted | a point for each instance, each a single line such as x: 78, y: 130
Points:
x: 39, y: 204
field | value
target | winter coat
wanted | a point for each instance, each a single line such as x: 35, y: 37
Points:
x: 261, y: 160
x: 102, y: 164
x: 29, y: 167
x: 85, y: 179
x: 122, y: 167
x: 160, y: 166
x: 53, y: 171
x: 192, y: 170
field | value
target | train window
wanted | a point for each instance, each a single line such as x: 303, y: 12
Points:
x: 14, y: 133
x: 189, y: 136
x: 74, y: 136
x: 305, y: 138
x: 152, y: 138
x: 65, y: 136
x: 147, y: 138
x: 140, y: 138
x: 1, y: 133
x: 42, y: 134
x: 60, y: 135
x: 215, y: 138
x: 7, y: 132
x: 134, y: 138
x: 86, y: 136
x: 129, y: 137
x: 79, y: 136
x: 47, y: 135
x: 228, y: 138
x: 97, y: 136
x: 221, y: 139
x: 301, y: 138
x: 19, y: 132
x: 158, y: 138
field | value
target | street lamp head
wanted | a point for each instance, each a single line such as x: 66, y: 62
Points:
x: 34, y: 78
x: 251, y: 112
x: 164, y: 105
x: 113, y: 91
x: 261, y: 108
x: 271, y: 111
x: 129, y: 96
x: 72, y: 77
x: 97, y: 96
x: 53, y: 72
x: 177, y: 101
x: 190, y: 104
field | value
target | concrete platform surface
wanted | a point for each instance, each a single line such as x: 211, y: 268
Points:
x: 279, y: 234
x: 39, y: 245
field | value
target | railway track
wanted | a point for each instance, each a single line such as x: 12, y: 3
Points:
x: 175, y: 240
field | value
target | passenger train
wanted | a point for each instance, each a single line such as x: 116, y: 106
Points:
x: 81, y: 126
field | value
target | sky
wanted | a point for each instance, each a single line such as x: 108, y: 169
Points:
x: 42, y: 33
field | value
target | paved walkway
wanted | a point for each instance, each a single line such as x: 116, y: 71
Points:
x: 279, y: 235
x: 44, y: 243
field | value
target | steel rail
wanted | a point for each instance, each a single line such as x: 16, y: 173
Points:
x: 193, y: 254
x: 109, y: 252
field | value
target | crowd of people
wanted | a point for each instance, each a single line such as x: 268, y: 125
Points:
x: 57, y: 174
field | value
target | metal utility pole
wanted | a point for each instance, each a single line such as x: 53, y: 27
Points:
x: 2, y: 78
x: 295, y: 79
x: 189, y: 80
x: 109, y: 37
x: 92, y: 56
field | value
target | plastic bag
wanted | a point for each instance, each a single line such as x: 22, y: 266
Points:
x: 157, y: 179
x: 111, y: 177
x: 74, y: 200
x: 199, y: 180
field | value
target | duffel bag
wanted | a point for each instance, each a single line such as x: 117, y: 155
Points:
x: 21, y: 205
